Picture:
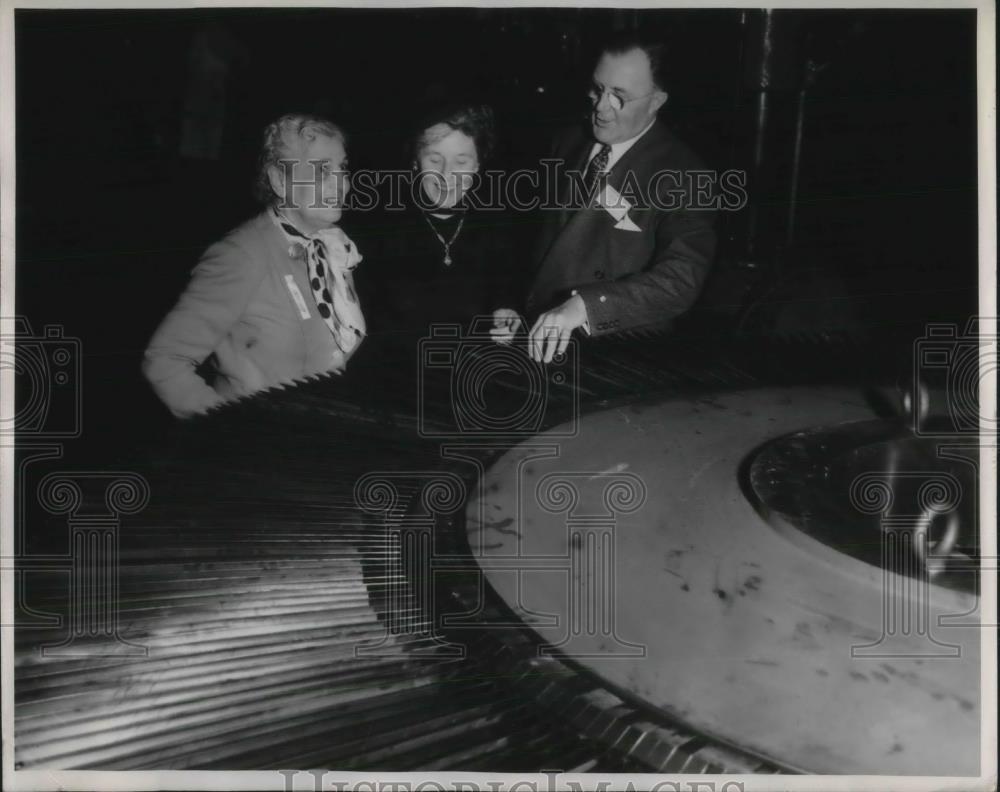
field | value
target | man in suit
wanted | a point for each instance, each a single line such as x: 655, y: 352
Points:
x: 637, y: 254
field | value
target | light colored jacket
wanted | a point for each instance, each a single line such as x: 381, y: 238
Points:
x: 248, y: 304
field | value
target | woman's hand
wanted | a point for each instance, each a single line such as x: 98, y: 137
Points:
x: 505, y: 324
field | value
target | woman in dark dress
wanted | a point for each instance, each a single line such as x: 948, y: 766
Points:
x: 441, y: 260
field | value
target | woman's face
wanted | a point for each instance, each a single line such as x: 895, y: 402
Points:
x: 447, y: 162
x: 315, y: 198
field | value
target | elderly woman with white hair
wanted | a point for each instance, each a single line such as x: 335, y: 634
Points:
x: 274, y: 300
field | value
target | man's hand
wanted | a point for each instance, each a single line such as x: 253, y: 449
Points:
x: 505, y: 324
x: 551, y: 333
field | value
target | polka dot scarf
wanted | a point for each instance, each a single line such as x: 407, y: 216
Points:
x: 330, y: 258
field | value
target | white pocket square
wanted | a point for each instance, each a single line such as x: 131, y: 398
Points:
x: 616, y: 205
x: 626, y: 224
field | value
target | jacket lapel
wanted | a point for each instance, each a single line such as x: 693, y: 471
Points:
x: 577, y: 166
x: 573, y: 222
x: 636, y: 159
x: 575, y: 158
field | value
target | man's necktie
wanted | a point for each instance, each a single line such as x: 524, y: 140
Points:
x: 596, y: 167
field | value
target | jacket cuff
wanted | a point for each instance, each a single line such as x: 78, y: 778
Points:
x: 586, y: 322
x: 600, y: 314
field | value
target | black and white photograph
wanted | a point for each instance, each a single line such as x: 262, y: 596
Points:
x: 509, y: 397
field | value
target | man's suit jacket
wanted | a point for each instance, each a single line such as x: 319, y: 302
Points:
x: 241, y: 314
x: 628, y: 279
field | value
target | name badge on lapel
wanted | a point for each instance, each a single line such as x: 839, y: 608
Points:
x: 300, y: 302
x: 616, y: 205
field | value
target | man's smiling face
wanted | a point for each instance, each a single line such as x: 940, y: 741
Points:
x: 628, y: 78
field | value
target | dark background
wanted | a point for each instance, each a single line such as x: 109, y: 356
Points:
x: 113, y: 211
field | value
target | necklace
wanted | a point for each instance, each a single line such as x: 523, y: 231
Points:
x: 450, y: 242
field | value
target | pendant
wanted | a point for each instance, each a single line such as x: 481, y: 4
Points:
x: 447, y: 260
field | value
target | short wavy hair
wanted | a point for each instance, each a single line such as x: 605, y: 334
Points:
x: 654, y: 49
x: 277, y: 137
x: 475, y: 120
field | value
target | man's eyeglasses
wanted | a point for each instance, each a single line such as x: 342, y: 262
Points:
x: 616, y: 101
